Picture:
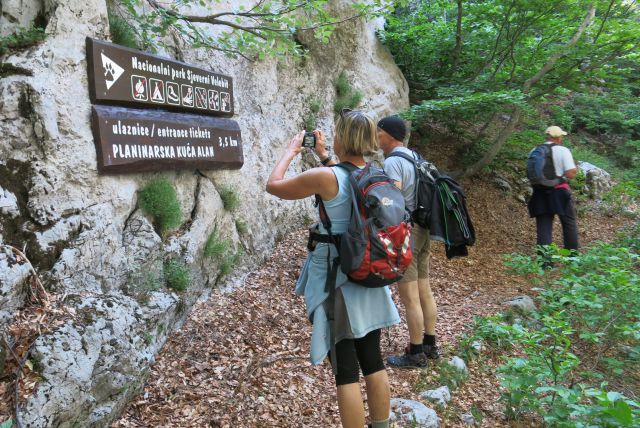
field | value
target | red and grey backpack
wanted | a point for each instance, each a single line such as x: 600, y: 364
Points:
x: 376, y: 249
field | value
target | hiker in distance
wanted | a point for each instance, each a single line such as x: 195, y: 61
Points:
x: 414, y: 288
x: 356, y: 325
x: 549, y: 168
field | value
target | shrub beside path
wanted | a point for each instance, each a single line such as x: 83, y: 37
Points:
x: 241, y: 360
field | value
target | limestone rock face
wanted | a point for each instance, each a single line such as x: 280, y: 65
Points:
x: 85, y: 233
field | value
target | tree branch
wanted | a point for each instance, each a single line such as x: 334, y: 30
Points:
x: 551, y: 62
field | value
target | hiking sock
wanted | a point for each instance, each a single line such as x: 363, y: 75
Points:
x: 380, y: 424
x: 429, y: 340
x: 415, y: 349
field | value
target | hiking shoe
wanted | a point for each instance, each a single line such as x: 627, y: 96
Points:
x: 431, y: 351
x: 408, y: 360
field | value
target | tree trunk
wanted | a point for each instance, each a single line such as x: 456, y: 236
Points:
x: 455, y: 56
x: 497, y: 144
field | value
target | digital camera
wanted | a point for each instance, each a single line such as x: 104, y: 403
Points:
x: 309, y: 140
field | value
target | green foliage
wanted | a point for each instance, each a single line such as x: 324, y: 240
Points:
x: 176, y: 275
x: 628, y: 153
x: 141, y: 283
x: 148, y: 338
x: 122, y: 33
x: 268, y: 28
x: 457, y: 106
x: 230, y: 198
x: 622, y: 197
x: 241, y: 227
x: 513, y: 56
x: 158, y: 199
x: 346, y: 95
x: 588, y: 309
x: 230, y: 261
x: 23, y: 38
x: 449, y: 375
x: 7, y: 424
x: 216, y: 247
x: 561, y: 117
x: 614, y: 112
x: 310, y: 120
x: 477, y: 414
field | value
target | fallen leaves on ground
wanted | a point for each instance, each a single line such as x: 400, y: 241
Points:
x: 241, y: 360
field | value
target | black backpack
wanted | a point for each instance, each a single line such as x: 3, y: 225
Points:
x: 441, y: 207
x: 426, y: 174
x: 540, y: 169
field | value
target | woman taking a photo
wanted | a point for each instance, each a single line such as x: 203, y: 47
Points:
x: 358, y: 312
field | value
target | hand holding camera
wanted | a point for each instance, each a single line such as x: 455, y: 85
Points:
x: 315, y: 140
x: 309, y: 140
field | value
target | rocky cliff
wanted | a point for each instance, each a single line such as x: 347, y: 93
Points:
x: 85, y: 234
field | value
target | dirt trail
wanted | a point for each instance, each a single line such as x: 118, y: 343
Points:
x: 241, y: 360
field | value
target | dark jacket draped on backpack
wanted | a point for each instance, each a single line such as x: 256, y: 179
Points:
x: 450, y: 222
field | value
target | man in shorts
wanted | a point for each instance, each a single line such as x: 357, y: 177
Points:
x: 415, y: 291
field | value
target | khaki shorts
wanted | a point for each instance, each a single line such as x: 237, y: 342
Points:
x: 419, y: 267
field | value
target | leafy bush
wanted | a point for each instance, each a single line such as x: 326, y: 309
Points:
x: 158, y: 199
x: 622, y: 197
x: 628, y: 153
x: 176, y: 275
x: 23, y: 38
x: 215, y: 246
x: 346, y: 95
x: 588, y: 312
x: 614, y: 112
x: 562, y: 117
x: 230, y: 198
x: 122, y: 33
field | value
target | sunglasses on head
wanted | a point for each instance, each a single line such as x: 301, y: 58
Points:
x: 345, y: 111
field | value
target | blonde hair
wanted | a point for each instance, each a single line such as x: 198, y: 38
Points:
x: 357, y: 133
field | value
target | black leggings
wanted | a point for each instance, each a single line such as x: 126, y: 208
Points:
x: 353, y: 354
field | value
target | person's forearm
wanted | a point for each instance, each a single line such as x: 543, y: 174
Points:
x: 281, y: 168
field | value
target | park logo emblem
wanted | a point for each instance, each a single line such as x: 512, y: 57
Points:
x: 112, y: 71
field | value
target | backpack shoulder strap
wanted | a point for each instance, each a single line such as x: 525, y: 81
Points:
x: 413, y: 159
x: 324, y: 216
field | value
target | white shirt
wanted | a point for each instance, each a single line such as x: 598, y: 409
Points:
x: 562, y: 158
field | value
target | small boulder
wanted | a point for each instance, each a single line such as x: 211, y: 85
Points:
x: 523, y: 304
x: 468, y: 419
x: 440, y: 396
x: 597, y: 180
x: 477, y: 346
x: 411, y: 413
x: 502, y: 184
x: 458, y: 363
